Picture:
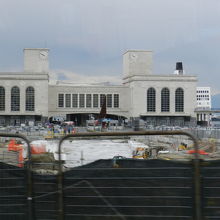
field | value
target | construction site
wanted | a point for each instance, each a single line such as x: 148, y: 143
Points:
x: 110, y: 175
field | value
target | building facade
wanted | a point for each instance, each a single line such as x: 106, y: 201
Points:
x: 158, y: 99
x: 203, y: 95
x: 203, y: 109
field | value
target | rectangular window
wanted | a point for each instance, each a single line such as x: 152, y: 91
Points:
x: 29, y: 103
x: 102, y: 98
x: 67, y: 100
x: 109, y: 100
x: 15, y: 99
x: 30, y: 99
x: 2, y: 105
x: 95, y: 100
x: 75, y: 100
x: 116, y: 100
x: 151, y: 100
x: 60, y: 100
x: 2, y: 121
x: 165, y: 100
x: 81, y: 100
x: 88, y: 100
x: 2, y: 99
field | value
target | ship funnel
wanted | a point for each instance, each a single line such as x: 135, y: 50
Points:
x: 179, y: 68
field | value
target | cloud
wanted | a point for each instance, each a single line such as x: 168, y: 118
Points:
x: 88, y: 37
x: 77, y: 78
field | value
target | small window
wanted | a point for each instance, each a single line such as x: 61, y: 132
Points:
x: 116, y: 100
x: 151, y: 100
x: 30, y: 99
x: 109, y: 100
x: 179, y: 100
x: 2, y: 99
x: 67, y: 100
x: 82, y: 100
x: 165, y: 100
x: 88, y: 100
x: 95, y: 100
x: 75, y: 100
x: 102, y: 98
x: 61, y: 100
x: 15, y: 99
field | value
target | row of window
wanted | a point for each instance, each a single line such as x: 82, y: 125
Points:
x: 202, y: 91
x: 87, y: 100
x: 202, y: 95
x: 165, y: 100
x: 207, y: 103
x: 92, y: 100
x: 15, y: 99
x: 203, y: 99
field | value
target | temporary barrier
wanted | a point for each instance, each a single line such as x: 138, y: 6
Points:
x: 202, y: 152
x: 13, y: 146
x: 113, y: 189
x: 16, y: 183
x: 134, y: 189
x: 38, y: 149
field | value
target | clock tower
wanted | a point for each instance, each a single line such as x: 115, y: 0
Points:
x: 137, y: 63
x: 36, y: 60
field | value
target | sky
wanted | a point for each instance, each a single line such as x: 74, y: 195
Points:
x: 87, y: 38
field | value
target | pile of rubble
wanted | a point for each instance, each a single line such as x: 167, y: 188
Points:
x: 208, y: 150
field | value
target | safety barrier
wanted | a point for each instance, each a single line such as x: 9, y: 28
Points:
x: 111, y: 189
x: 16, y: 186
x: 195, y: 186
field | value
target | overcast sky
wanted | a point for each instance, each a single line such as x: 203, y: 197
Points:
x: 88, y: 37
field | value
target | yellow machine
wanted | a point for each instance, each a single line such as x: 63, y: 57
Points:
x: 182, y: 146
x: 140, y: 153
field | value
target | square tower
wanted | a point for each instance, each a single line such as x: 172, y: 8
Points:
x: 36, y: 60
x: 136, y: 63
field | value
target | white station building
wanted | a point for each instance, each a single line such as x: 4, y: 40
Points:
x: 158, y: 99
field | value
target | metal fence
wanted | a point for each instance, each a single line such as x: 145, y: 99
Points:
x: 111, y: 189
x: 200, y: 134
x: 16, y: 187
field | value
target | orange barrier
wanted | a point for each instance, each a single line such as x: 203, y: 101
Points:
x: 202, y: 152
x: 38, y: 149
x: 13, y: 146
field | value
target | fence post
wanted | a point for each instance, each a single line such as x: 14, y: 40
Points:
x: 60, y: 184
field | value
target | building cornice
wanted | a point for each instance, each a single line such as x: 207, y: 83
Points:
x: 24, y: 76
x: 75, y: 85
x: 170, y: 77
x: 133, y: 51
